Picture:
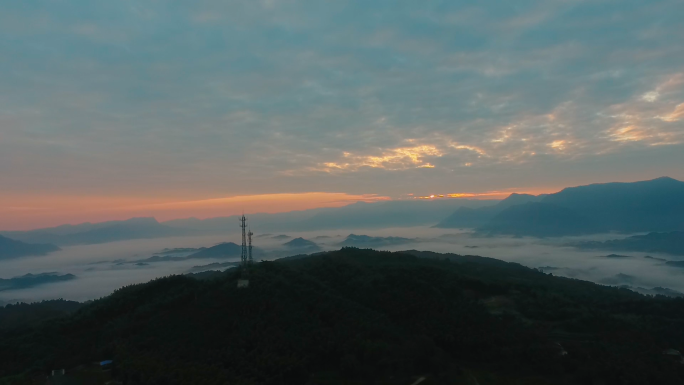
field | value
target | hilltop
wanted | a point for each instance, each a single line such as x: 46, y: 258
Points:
x: 363, y: 317
x: 302, y: 244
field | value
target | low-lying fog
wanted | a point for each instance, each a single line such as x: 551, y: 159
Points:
x: 99, y: 268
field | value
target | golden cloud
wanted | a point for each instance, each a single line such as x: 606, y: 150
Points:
x: 629, y: 133
x: 649, y: 135
x: 458, y: 146
x: 558, y: 144
x: 401, y: 158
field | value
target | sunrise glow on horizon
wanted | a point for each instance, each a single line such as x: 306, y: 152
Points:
x: 31, y: 212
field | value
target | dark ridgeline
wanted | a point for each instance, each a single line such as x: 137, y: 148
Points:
x: 363, y: 317
x: 655, y: 205
x: 23, y: 314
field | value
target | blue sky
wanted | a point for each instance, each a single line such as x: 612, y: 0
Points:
x: 211, y: 99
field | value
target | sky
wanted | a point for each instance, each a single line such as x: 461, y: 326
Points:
x: 110, y: 108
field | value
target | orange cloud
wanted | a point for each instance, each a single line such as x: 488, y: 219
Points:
x: 649, y: 135
x: 629, y: 133
x: 675, y: 115
x: 558, y: 144
x: 482, y: 195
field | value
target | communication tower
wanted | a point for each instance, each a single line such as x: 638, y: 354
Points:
x: 245, y: 257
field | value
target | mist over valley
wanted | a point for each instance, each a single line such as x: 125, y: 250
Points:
x: 121, y: 253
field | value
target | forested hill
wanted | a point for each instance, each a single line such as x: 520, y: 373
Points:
x: 364, y: 317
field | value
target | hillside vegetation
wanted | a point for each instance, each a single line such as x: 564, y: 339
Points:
x: 363, y: 317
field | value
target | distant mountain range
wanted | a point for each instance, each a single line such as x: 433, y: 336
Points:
x: 668, y: 243
x: 357, y: 215
x: 385, y: 214
x: 649, y: 206
x: 222, y: 250
x: 30, y: 280
x: 10, y: 248
x: 655, y: 205
x: 466, y: 217
x: 402, y: 213
x: 95, y: 233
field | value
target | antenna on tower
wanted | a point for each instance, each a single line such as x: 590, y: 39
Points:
x: 250, y: 261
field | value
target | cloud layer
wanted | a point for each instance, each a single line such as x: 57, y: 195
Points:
x: 223, y: 98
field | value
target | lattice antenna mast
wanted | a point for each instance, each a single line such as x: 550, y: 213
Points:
x: 249, y: 247
x: 243, y: 254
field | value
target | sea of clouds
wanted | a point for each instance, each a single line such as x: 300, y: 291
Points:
x: 101, y: 269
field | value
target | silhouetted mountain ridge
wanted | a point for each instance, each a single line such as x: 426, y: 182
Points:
x: 400, y: 213
x: 655, y: 205
x: 465, y: 217
x: 23, y: 314
x: 539, y: 219
x: 10, y: 248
